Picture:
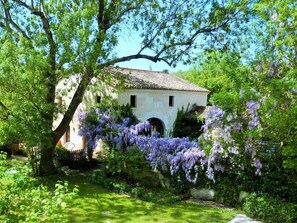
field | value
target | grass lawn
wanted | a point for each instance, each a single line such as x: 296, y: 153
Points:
x: 95, y: 204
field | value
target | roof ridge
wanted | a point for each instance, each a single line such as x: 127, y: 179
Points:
x: 138, y: 69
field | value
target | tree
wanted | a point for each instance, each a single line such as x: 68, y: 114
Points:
x: 277, y: 74
x: 43, y: 42
x: 219, y: 72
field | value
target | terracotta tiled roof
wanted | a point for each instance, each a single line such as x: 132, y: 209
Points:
x: 146, y: 79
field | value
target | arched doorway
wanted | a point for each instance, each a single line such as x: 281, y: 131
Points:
x: 157, y: 125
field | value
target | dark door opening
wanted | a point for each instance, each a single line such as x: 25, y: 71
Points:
x: 157, y: 125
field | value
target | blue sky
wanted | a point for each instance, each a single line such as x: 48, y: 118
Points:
x: 130, y: 44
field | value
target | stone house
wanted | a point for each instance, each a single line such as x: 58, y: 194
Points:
x: 153, y: 95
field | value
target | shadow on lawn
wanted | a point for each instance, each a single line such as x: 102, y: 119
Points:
x: 96, y: 204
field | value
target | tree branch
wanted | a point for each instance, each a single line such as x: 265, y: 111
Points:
x: 135, y: 56
x: 100, y: 14
x: 151, y: 39
x: 106, y: 17
x: 9, y: 20
x: 2, y: 25
x: 25, y: 5
x: 46, y: 27
x: 124, y: 11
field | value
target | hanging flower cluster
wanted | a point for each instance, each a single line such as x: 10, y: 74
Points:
x: 170, y: 154
x: 176, y: 154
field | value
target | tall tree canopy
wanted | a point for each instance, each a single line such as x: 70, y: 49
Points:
x: 45, y: 41
x: 268, y: 84
x: 219, y: 72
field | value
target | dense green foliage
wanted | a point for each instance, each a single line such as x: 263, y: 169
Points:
x: 270, y: 210
x: 219, y: 72
x: 275, y: 180
x: 23, y: 200
x: 129, y: 165
x: 188, y: 123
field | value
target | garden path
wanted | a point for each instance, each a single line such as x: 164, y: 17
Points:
x: 240, y: 218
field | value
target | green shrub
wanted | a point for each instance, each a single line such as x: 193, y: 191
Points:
x: 99, y: 177
x: 270, y: 210
x: 76, y: 159
x: 131, y: 166
x: 23, y: 200
x: 138, y: 192
x: 275, y: 181
x: 159, y: 196
x: 188, y: 123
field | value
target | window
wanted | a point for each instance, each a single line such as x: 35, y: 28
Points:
x: 171, y: 101
x: 133, y: 101
x: 98, y: 99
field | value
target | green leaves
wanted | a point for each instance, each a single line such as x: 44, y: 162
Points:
x: 23, y: 90
x: 221, y: 73
x: 23, y: 200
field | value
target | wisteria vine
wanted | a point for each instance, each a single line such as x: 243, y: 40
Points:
x: 176, y: 154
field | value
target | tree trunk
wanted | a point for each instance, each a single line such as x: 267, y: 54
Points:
x: 46, y: 166
x: 49, y: 142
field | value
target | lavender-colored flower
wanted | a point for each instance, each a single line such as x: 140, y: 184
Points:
x: 249, y: 145
x: 171, y: 154
x: 237, y: 126
x: 252, y: 109
x: 258, y: 165
x: 218, y: 167
x: 252, y: 106
x: 210, y: 174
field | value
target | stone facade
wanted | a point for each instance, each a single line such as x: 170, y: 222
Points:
x: 154, y: 96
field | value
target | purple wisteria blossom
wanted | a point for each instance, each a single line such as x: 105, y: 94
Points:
x: 258, y: 165
x: 217, y: 134
x: 219, y: 131
x: 252, y: 110
x: 165, y: 154
x: 179, y: 154
x: 176, y: 154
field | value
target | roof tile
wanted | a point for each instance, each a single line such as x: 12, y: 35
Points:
x: 146, y: 79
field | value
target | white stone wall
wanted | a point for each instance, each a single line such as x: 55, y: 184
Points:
x: 88, y: 101
x: 155, y: 104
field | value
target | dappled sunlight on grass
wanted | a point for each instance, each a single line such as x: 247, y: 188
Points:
x: 96, y: 204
